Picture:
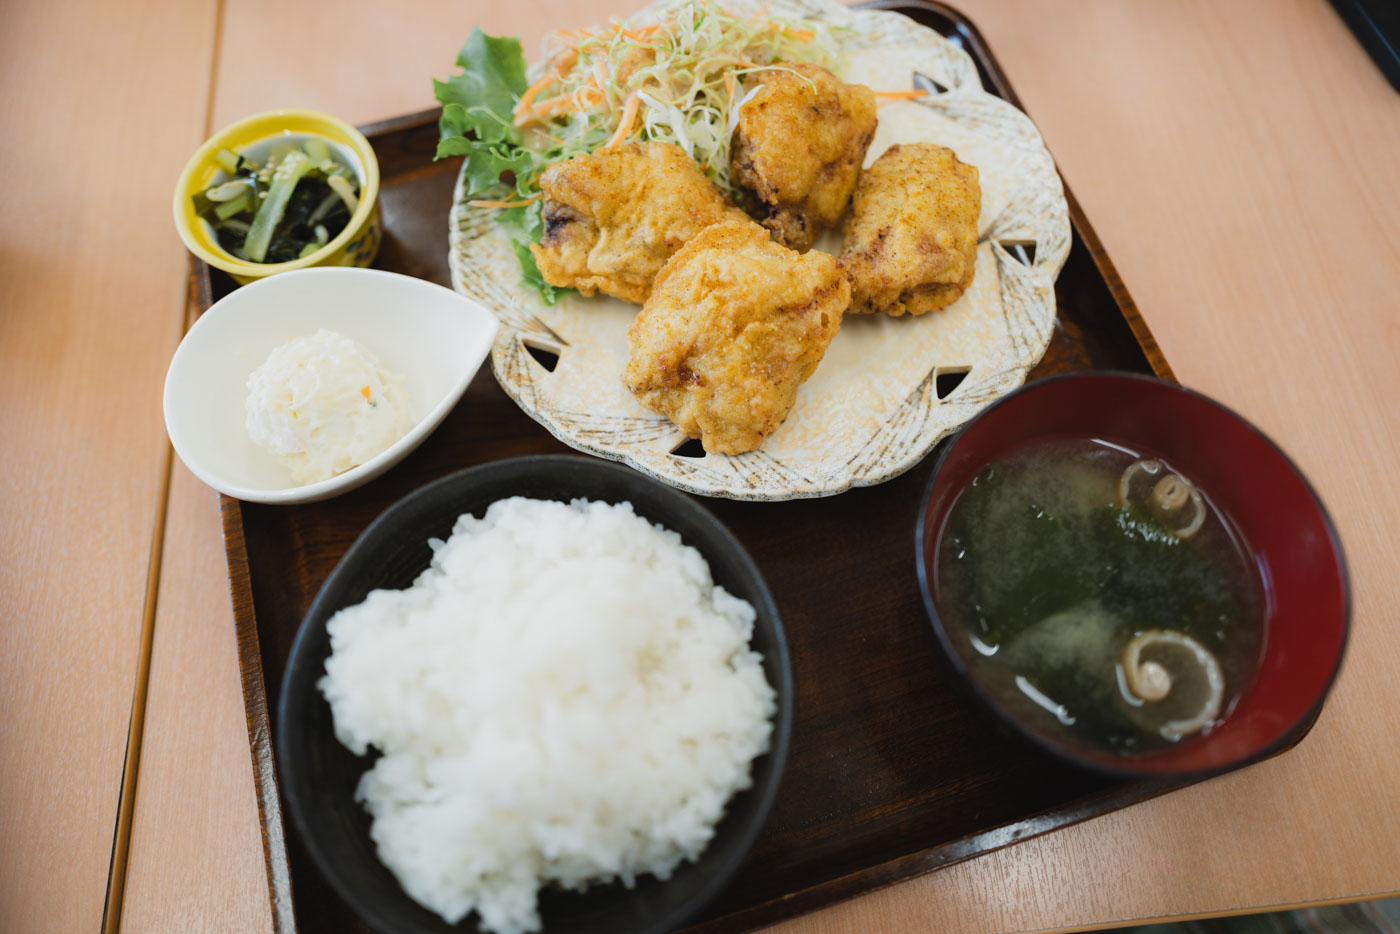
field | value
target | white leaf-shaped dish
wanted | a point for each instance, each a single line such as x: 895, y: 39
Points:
x: 433, y: 338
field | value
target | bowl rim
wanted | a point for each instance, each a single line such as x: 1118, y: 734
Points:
x: 783, y: 719
x: 1286, y: 737
x: 368, y: 201
x: 341, y: 482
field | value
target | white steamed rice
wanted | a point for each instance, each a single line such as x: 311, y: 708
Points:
x: 564, y: 696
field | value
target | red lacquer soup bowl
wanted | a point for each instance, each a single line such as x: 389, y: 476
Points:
x: 1279, y: 521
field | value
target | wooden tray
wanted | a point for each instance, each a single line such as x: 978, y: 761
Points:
x: 894, y: 770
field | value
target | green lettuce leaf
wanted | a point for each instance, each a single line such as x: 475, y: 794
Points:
x: 478, y: 110
x: 528, y: 219
x: 530, y: 274
x: 493, y: 74
x: 486, y: 164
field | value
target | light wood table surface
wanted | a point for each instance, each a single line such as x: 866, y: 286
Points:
x: 1237, y: 157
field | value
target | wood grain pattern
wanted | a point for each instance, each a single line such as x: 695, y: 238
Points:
x: 862, y: 805
x: 89, y: 314
x: 202, y: 835
x: 1233, y: 157
x: 369, y: 61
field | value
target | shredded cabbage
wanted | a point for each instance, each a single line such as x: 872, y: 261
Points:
x: 687, y: 70
x: 680, y: 79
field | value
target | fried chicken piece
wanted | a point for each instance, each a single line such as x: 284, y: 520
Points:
x: 734, y: 325
x: 799, y: 149
x: 613, y: 217
x: 911, y: 238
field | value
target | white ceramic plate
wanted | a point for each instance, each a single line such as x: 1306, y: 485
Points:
x: 432, y: 337
x: 872, y: 409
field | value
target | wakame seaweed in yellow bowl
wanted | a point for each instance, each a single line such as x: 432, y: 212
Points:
x: 281, y: 190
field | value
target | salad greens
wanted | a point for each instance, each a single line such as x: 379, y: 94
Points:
x: 680, y: 80
x: 478, y: 114
x: 477, y: 121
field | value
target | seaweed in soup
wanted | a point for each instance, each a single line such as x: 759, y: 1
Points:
x: 1053, y: 578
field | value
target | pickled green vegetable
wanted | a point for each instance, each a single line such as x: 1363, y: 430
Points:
x: 237, y: 206
x: 283, y: 209
x: 228, y: 161
x: 284, y: 181
x: 317, y: 150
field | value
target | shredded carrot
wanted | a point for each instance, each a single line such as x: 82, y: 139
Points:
x: 638, y: 35
x: 585, y: 97
x: 729, y: 87
x: 551, y: 107
x: 624, y: 70
x: 901, y: 95
x: 522, y: 109
x: 364, y: 391
x: 493, y: 204
x: 556, y: 48
x: 801, y: 35
x: 624, y: 126
x: 565, y: 61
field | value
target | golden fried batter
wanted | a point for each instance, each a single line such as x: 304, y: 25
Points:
x: 612, y: 218
x: 911, y: 238
x: 734, y: 325
x: 799, y: 148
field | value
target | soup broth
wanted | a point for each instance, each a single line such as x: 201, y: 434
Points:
x: 1102, y: 597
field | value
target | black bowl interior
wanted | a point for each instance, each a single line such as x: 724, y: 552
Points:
x: 319, y: 775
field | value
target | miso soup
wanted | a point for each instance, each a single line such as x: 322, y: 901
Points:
x: 1102, y: 596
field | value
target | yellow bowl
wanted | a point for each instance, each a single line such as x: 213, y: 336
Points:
x: 356, y: 245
